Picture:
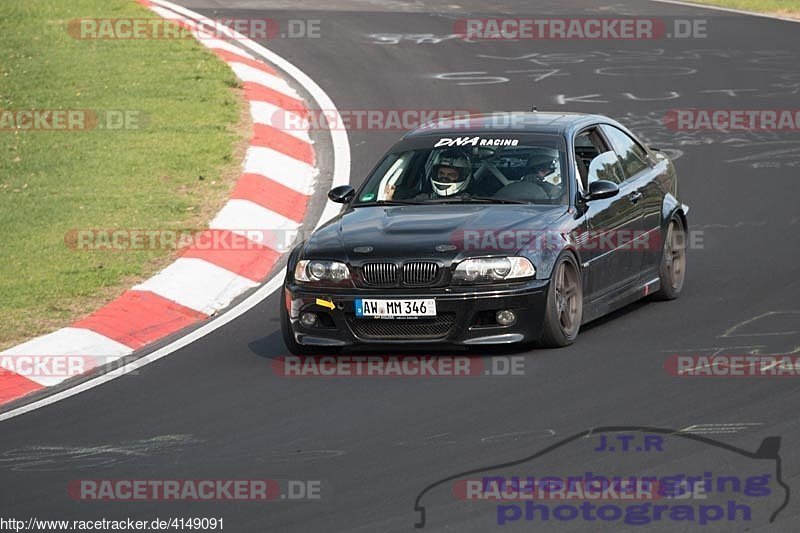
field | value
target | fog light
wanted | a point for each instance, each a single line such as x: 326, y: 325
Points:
x: 308, y: 319
x: 505, y: 317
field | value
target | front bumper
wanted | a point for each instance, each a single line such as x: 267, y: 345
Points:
x: 465, y: 316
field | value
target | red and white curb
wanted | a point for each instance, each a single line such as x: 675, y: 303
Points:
x: 277, y: 180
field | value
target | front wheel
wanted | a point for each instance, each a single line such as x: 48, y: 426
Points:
x: 562, y: 319
x: 672, y: 271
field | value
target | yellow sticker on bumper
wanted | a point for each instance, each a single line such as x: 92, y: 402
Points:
x: 325, y: 303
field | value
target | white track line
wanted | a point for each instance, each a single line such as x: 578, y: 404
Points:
x: 341, y: 176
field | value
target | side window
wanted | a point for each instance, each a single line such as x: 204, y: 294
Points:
x: 606, y: 167
x: 632, y: 155
x: 589, y: 146
x: 401, y: 173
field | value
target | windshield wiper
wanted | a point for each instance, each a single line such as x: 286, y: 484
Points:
x: 389, y: 202
x: 491, y: 200
x: 477, y: 200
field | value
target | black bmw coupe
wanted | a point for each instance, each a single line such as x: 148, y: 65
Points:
x: 493, y: 231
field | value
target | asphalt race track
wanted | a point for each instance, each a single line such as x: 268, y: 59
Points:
x: 216, y: 410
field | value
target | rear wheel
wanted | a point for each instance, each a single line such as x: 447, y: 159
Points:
x: 562, y: 319
x: 672, y: 271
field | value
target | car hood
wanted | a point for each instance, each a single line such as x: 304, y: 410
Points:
x: 430, y: 231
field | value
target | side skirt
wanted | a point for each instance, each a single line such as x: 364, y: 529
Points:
x: 612, y: 302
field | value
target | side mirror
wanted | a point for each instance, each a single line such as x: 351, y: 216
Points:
x: 602, y: 189
x: 341, y: 194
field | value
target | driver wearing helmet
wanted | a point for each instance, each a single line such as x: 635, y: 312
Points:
x: 451, y: 175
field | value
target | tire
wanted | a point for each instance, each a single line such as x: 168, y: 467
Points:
x: 288, y: 337
x: 672, y: 270
x: 562, y: 318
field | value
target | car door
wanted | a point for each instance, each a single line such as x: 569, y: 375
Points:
x: 610, y: 264
x: 642, y: 175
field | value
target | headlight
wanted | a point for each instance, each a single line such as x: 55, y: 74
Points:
x: 489, y: 269
x: 313, y: 271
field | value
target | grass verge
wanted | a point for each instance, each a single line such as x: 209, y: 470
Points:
x: 781, y: 8
x: 170, y: 168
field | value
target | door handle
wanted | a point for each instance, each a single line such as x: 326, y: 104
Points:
x: 635, y: 196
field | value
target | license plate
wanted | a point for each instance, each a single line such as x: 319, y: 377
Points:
x: 395, y: 308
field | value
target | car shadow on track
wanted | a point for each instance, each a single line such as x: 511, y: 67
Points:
x: 630, y: 308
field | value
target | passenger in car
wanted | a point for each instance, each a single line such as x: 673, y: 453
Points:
x: 542, y: 181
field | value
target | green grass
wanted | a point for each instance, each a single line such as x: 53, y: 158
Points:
x: 51, y: 182
x: 787, y: 8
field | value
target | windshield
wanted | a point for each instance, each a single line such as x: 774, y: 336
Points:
x: 518, y: 173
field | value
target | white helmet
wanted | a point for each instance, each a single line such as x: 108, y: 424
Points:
x: 543, y: 163
x: 454, y: 160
